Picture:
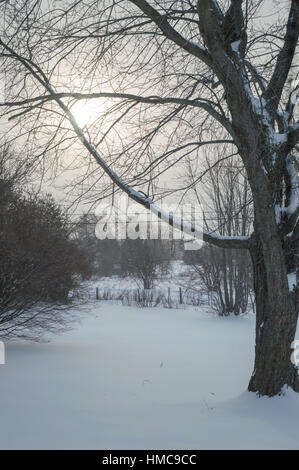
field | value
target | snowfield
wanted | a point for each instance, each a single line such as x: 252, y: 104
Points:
x: 129, y: 378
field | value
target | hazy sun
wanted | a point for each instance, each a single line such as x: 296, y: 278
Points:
x: 86, y: 111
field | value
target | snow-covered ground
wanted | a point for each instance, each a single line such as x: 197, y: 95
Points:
x: 129, y: 378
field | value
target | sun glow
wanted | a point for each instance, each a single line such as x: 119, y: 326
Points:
x: 87, y: 111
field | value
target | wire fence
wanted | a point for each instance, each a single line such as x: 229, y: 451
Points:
x: 166, y: 298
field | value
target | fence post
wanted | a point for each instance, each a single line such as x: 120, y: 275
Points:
x: 97, y: 293
x: 181, y: 296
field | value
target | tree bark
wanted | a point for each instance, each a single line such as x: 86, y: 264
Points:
x: 275, y: 324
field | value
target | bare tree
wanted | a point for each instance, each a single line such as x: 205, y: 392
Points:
x: 144, y: 260
x: 225, y: 273
x: 224, y: 276
x: 173, y: 71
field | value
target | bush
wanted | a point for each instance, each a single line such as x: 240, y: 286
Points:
x: 39, y: 262
x: 144, y: 260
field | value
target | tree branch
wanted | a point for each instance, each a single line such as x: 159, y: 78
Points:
x: 293, y: 136
x: 292, y: 102
x: 284, y: 59
x: 206, y: 105
x: 170, y: 33
x: 238, y: 243
x: 224, y: 242
x: 256, y: 75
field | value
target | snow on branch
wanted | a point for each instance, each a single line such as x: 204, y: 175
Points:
x: 224, y: 242
x: 207, y: 105
x: 289, y: 214
x: 294, y: 196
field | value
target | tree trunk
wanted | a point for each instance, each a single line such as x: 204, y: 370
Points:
x: 276, y: 320
x: 147, y: 283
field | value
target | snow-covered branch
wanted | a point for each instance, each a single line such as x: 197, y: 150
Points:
x: 225, y: 242
x: 207, y: 105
